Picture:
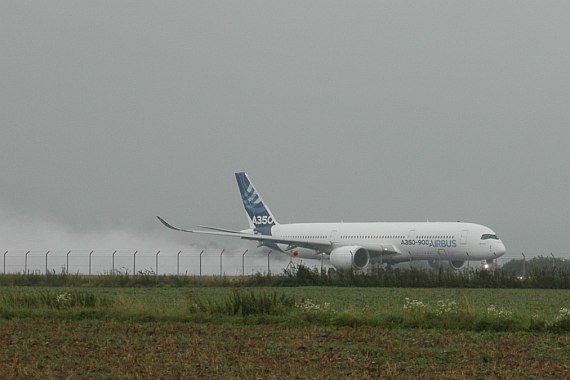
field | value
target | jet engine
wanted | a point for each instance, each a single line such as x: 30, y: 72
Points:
x: 449, y: 264
x: 347, y: 258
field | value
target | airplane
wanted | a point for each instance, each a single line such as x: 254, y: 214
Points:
x: 360, y: 246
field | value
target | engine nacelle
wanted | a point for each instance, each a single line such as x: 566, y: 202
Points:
x: 456, y: 264
x: 451, y: 264
x: 351, y: 257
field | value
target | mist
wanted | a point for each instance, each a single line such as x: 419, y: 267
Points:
x: 113, y: 113
x: 42, y: 237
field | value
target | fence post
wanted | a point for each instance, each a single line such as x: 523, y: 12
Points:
x: 90, y: 253
x: 221, y: 266
x: 156, y: 264
x: 5, y: 261
x: 178, y: 263
x: 243, y: 263
x: 47, y: 263
x: 67, y: 262
x: 26, y: 263
x: 113, y: 262
x: 201, y: 263
x: 134, y: 262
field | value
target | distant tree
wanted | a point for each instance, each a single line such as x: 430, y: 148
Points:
x: 515, y: 266
x: 539, y: 263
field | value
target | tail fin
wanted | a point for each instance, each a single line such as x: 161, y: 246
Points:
x: 258, y: 214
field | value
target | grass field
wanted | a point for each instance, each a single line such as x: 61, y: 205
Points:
x: 512, y: 309
x: 94, y: 349
x: 300, y: 332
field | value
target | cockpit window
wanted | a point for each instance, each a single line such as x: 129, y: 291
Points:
x: 489, y: 236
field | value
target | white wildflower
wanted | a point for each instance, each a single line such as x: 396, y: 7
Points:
x: 446, y: 307
x: 499, y: 312
x: 563, y: 313
x: 414, y: 305
x: 309, y: 305
x: 63, y: 299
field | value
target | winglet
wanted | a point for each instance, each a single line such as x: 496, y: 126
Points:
x: 168, y: 225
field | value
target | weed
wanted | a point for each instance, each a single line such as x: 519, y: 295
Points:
x: 245, y: 303
x: 561, y: 322
x: 466, y: 310
x: 51, y: 299
x: 300, y: 275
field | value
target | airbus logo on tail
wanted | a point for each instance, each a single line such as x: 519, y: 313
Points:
x: 257, y: 212
x: 251, y: 200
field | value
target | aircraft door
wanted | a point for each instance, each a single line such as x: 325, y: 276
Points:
x: 334, y: 237
x: 464, y: 235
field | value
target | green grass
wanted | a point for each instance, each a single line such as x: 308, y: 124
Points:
x: 451, y: 309
x: 287, y: 332
x: 540, y: 278
x: 245, y: 303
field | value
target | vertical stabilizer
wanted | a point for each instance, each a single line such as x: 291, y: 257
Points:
x: 259, y: 217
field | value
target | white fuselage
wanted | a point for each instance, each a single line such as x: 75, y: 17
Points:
x: 351, y: 246
x: 417, y: 241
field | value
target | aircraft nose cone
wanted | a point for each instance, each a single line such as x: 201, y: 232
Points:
x: 500, y: 249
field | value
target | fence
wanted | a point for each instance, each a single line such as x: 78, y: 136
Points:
x: 182, y: 262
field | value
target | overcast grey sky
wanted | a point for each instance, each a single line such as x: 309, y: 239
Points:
x: 114, y: 112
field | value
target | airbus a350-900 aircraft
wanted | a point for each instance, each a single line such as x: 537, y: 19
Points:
x: 357, y: 245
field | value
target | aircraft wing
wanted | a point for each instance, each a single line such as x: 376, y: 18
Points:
x: 262, y: 239
x: 219, y: 229
x: 375, y: 249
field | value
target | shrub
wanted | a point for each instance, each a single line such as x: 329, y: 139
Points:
x: 245, y: 303
x: 51, y: 299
